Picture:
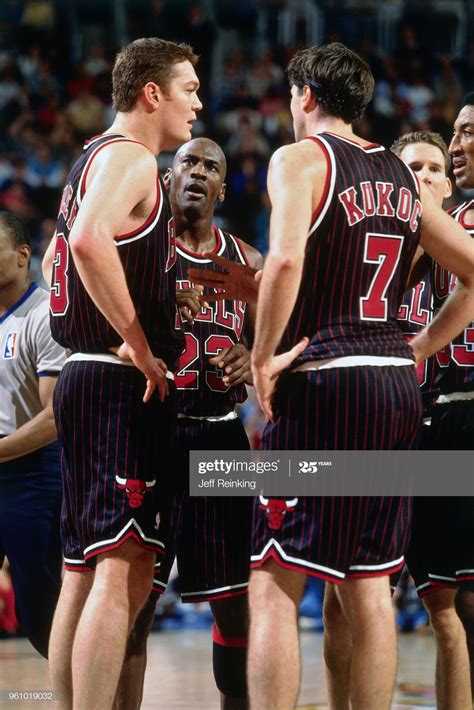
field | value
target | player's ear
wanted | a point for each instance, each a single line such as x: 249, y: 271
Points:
x: 24, y: 254
x: 448, y: 190
x: 151, y: 95
x: 167, y: 178
x: 221, y: 195
x: 308, y: 102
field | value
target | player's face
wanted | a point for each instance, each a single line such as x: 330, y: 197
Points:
x: 9, y: 260
x: 462, y: 148
x: 197, y: 180
x: 179, y: 106
x: 427, y: 161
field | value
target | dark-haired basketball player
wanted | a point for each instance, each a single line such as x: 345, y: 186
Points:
x: 346, y: 222
x: 209, y: 536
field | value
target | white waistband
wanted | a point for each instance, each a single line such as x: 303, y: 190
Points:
x: 455, y: 397
x: 224, y: 418
x: 106, y: 357
x: 353, y: 361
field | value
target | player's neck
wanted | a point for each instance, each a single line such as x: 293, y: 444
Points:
x: 197, y: 237
x: 328, y: 124
x: 134, y: 127
x: 12, y: 292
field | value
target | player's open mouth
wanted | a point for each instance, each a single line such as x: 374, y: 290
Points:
x: 196, y: 190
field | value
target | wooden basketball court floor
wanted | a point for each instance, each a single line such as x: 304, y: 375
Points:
x: 179, y: 673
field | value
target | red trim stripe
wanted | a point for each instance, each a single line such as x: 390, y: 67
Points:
x: 376, y: 573
x: 229, y: 641
x: 242, y: 249
x: 115, y: 545
x: 149, y: 219
x: 327, y: 182
x: 198, y: 254
x: 273, y: 554
x: 211, y: 597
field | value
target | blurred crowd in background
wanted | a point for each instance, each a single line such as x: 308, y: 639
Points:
x: 55, y: 84
x: 55, y: 91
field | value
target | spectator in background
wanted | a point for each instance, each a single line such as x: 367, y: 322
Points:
x: 87, y: 114
x: 42, y: 170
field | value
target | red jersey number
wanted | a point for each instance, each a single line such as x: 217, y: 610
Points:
x: 59, y: 299
x: 187, y: 378
x: 383, y: 250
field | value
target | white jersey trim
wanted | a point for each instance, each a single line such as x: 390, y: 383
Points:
x: 217, y: 590
x: 224, y: 418
x: 201, y: 260
x: 106, y: 357
x: 353, y: 361
x: 295, y: 560
x: 131, y: 524
x: 441, y: 577
x: 332, y: 183
x: 384, y: 565
x: 455, y: 397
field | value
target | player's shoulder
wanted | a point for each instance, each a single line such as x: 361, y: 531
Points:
x: 246, y: 252
x: 129, y: 154
x: 298, y: 152
x: 254, y: 257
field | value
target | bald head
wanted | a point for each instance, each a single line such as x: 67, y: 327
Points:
x: 204, y: 146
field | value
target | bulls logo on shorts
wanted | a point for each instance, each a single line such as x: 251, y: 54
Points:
x: 276, y: 509
x: 134, y: 489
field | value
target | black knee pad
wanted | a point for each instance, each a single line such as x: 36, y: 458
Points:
x: 465, y: 609
x: 229, y: 660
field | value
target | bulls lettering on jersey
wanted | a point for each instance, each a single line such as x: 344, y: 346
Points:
x: 148, y: 256
x: 361, y: 241
x: 201, y: 391
x: 415, y: 312
x: 456, y: 360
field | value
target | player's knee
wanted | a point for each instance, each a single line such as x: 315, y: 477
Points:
x: 231, y: 615
x: 444, y: 620
x: 229, y: 660
x: 138, y: 636
x: 273, y: 587
x: 333, y: 613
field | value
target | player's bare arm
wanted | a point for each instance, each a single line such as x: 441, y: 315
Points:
x: 296, y: 176
x: 451, y: 246
x: 124, y: 175
x: 420, y: 266
x: 36, y: 433
x: 47, y: 263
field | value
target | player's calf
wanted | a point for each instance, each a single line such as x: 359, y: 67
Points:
x: 229, y: 650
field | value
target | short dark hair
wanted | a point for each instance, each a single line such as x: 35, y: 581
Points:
x: 468, y: 100
x: 144, y: 60
x: 15, y: 228
x: 340, y: 80
x: 422, y: 137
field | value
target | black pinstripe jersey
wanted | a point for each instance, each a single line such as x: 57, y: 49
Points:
x: 456, y: 360
x: 148, y: 255
x: 201, y: 391
x: 415, y: 312
x: 361, y: 241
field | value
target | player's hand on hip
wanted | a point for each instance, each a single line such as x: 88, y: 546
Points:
x: 237, y: 282
x: 152, y: 367
x: 235, y: 362
x: 265, y: 374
